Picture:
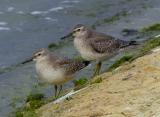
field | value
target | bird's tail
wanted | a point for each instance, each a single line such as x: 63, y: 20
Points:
x: 133, y: 43
x: 129, y: 43
x: 86, y: 62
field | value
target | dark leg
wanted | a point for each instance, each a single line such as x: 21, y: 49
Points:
x: 55, y: 88
x: 60, y: 90
x: 97, y: 69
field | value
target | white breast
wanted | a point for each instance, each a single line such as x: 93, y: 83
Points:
x: 86, y: 50
x: 50, y: 74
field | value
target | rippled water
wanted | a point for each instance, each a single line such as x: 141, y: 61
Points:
x: 27, y: 25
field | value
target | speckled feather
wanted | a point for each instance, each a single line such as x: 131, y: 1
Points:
x: 102, y: 43
x: 71, y: 66
x: 74, y: 67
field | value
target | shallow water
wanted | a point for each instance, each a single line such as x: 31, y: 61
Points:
x: 26, y: 26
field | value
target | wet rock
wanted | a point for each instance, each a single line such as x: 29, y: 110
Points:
x: 129, y: 32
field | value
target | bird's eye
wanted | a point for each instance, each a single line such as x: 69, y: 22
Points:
x: 78, y: 29
x: 39, y: 54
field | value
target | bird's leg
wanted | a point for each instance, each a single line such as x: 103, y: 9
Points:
x: 97, y: 69
x: 55, y: 88
x: 60, y: 90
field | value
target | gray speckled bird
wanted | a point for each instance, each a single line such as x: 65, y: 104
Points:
x: 55, y: 70
x: 96, y: 46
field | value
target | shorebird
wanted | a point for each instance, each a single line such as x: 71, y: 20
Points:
x: 55, y: 70
x: 96, y: 46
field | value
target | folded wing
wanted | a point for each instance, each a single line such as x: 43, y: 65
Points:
x: 106, y: 44
x: 71, y: 66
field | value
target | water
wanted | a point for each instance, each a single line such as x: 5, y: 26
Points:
x: 26, y: 26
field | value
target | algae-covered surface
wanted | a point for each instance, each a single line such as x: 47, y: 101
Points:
x: 26, y: 26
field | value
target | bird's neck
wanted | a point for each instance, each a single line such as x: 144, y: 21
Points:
x: 44, y: 60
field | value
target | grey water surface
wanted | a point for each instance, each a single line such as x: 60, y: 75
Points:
x: 28, y: 25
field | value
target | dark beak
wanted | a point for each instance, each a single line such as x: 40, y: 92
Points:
x: 27, y: 61
x: 69, y: 35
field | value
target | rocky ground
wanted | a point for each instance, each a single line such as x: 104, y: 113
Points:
x: 132, y: 90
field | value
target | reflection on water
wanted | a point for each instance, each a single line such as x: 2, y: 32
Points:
x: 26, y: 26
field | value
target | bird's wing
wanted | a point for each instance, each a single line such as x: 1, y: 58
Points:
x: 71, y: 66
x: 63, y: 61
x: 76, y: 66
x: 103, y: 43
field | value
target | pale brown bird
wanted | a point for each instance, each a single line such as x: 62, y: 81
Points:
x: 55, y: 70
x: 96, y: 46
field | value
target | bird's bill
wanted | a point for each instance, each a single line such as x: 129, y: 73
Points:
x: 27, y: 61
x: 69, y: 35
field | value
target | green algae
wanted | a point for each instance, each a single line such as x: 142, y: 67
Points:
x: 53, y: 45
x: 96, y: 80
x: 37, y: 96
x: 80, y: 83
x: 151, y: 28
x: 56, y: 45
x: 78, y: 58
x: 33, y: 102
x: 60, y: 44
x: 91, y: 15
x: 119, y: 62
x: 150, y: 44
x: 109, y: 20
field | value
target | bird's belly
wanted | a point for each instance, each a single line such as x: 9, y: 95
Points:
x: 53, y: 76
x: 89, y: 55
x: 84, y: 49
x: 87, y: 51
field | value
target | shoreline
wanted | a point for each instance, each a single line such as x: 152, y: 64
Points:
x: 130, y: 90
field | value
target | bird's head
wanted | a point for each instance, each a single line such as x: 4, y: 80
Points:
x: 38, y: 56
x: 78, y: 31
